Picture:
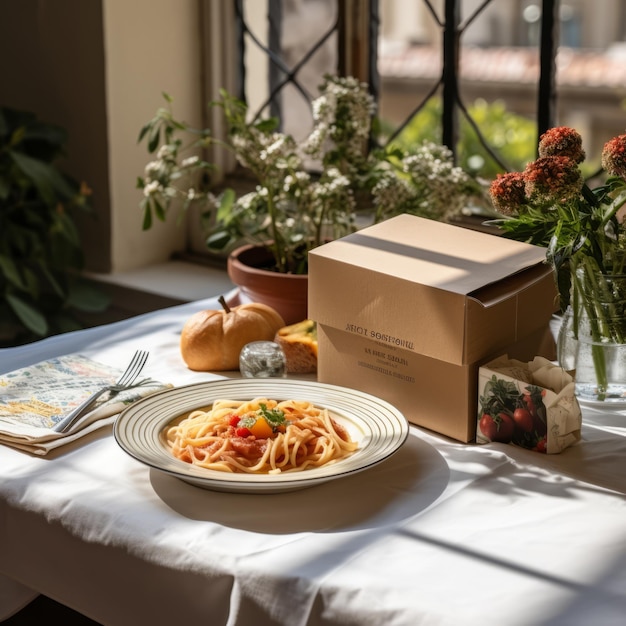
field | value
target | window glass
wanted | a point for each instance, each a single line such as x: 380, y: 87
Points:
x: 287, y: 54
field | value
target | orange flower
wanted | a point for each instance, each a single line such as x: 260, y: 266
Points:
x: 507, y: 192
x: 562, y: 141
x: 552, y: 179
x: 614, y: 156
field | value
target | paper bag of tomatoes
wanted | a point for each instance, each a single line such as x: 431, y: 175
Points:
x: 530, y: 404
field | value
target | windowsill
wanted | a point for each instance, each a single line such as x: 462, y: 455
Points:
x: 157, y: 287
x: 179, y: 280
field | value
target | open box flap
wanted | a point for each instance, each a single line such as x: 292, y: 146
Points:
x: 500, y: 315
x: 491, y: 294
x: 434, y: 254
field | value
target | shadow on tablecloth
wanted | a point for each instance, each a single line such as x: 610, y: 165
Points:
x: 399, y: 488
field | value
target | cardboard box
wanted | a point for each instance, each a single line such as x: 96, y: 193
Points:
x: 409, y: 309
x: 532, y: 405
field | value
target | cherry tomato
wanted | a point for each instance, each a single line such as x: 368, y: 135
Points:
x: 523, y: 419
x: 541, y: 445
x: 242, y: 432
x: 487, y: 426
x: 506, y: 427
x: 234, y: 420
x: 499, y: 428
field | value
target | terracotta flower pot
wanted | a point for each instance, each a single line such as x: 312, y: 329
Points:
x: 286, y: 293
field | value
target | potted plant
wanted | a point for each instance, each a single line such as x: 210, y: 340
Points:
x: 302, y: 194
x: 41, y: 290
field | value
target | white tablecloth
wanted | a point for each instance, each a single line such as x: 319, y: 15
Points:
x: 441, y: 533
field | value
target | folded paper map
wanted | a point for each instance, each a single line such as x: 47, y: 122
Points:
x: 35, y: 398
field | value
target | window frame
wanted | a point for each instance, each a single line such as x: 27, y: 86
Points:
x: 357, y: 27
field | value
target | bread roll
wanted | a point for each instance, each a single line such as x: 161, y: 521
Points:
x: 212, y: 340
x: 299, y: 343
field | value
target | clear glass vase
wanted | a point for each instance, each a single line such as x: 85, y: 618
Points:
x: 566, y: 342
x: 597, y: 336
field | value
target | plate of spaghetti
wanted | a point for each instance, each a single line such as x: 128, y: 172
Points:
x: 260, y: 435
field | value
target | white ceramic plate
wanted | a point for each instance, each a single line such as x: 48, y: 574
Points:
x: 378, y: 427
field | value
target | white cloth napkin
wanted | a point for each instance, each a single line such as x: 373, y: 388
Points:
x: 35, y: 398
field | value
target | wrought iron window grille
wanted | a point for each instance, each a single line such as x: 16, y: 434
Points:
x: 357, y: 26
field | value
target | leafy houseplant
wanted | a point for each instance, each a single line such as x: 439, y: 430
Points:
x: 304, y: 193
x: 40, y: 252
x: 549, y: 204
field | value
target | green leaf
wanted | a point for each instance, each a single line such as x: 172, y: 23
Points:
x: 28, y: 315
x: 10, y: 272
x: 159, y: 211
x: 144, y: 131
x: 268, y: 125
x: 218, y: 240
x: 46, y: 178
x: 154, y: 139
x: 227, y: 199
x: 17, y: 136
x: 274, y: 417
x: 147, y: 214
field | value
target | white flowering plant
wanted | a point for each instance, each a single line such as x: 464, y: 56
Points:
x: 304, y: 193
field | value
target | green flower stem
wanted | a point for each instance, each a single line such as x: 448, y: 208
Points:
x: 599, y: 364
x: 277, y: 247
x: 604, y: 311
x: 614, y: 207
x: 605, y: 315
x: 597, y: 325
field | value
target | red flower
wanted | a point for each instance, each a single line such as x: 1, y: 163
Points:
x: 507, y: 192
x: 562, y: 141
x: 614, y: 156
x: 552, y: 179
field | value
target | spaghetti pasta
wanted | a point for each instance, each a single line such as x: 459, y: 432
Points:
x: 260, y: 436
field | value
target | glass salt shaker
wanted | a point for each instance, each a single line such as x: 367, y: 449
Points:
x: 262, y: 359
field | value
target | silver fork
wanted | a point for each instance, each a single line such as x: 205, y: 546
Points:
x: 129, y: 376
